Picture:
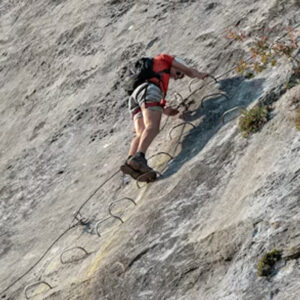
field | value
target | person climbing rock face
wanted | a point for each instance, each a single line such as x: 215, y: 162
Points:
x: 148, y: 88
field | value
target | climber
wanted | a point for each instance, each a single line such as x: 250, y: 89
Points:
x: 147, y: 104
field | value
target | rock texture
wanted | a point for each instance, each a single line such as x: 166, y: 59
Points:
x: 220, y: 204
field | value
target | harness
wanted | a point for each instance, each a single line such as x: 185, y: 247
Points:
x: 144, y: 88
x: 162, y: 104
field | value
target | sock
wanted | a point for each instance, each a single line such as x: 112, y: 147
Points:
x: 140, y: 154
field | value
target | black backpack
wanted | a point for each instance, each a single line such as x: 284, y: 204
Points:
x: 139, y: 72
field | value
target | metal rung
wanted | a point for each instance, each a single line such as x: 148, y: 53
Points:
x: 191, y: 82
x: 113, y: 203
x: 160, y: 153
x: 118, y: 264
x: 197, y: 79
x: 178, y: 125
x: 71, y: 249
x: 98, y: 224
x: 186, y: 106
x: 35, y: 284
x: 178, y: 95
x: 239, y: 108
x: 212, y: 95
x: 139, y: 182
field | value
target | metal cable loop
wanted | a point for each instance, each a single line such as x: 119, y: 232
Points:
x: 185, y: 105
x: 178, y: 105
x: 74, y: 260
x: 95, y: 191
x: 35, y: 284
x: 188, y: 96
x: 98, y: 224
x: 40, y: 259
x: 114, y: 202
x: 163, y: 127
x: 223, y: 74
x: 191, y: 82
x: 239, y: 108
x: 80, y: 219
x: 158, y: 174
x: 160, y: 153
x: 178, y: 125
x: 182, y: 102
x: 118, y: 263
x: 179, y: 138
x: 197, y: 79
x: 178, y: 95
x: 213, y: 95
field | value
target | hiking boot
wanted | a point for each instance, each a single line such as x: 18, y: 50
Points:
x: 148, y: 176
x: 139, y: 164
x: 126, y: 169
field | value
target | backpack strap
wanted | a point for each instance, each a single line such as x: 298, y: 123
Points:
x: 159, y: 75
x: 142, y: 87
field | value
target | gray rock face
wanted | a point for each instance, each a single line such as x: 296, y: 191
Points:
x: 221, y: 202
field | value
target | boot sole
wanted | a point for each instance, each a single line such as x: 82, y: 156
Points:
x: 147, y: 177
x: 129, y: 171
x: 142, y: 177
x: 138, y: 167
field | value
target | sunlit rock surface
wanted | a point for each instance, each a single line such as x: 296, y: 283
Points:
x: 220, y: 204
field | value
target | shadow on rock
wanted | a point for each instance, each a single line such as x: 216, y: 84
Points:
x: 240, y: 92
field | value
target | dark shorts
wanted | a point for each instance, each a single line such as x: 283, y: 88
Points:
x: 142, y: 95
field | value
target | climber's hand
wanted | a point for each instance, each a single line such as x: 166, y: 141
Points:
x: 203, y: 75
x: 169, y: 111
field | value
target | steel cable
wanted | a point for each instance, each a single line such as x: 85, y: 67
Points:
x: 39, y: 260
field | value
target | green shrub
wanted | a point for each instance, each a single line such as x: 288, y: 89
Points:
x: 253, y: 120
x: 266, y: 263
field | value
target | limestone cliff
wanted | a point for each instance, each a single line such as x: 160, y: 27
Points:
x: 71, y: 223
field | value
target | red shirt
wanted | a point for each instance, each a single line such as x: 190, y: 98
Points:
x: 162, y: 62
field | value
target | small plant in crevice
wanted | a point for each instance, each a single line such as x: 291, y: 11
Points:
x: 293, y: 81
x: 265, y: 266
x: 265, y: 52
x: 297, y: 118
x: 253, y: 120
